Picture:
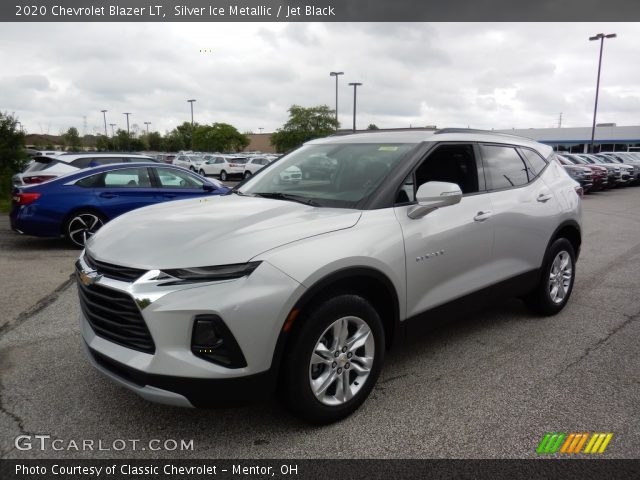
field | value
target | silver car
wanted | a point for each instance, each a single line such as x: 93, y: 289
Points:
x: 303, y: 287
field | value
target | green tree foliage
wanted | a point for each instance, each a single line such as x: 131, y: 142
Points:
x: 103, y: 144
x: 304, y: 124
x: 219, y: 137
x: 173, y: 142
x: 372, y: 126
x: 71, y: 139
x: 12, y: 154
x: 184, y: 131
x: 154, y: 139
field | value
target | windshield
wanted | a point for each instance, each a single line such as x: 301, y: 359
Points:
x: 328, y: 175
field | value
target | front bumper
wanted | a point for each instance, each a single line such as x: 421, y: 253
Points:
x: 254, y: 309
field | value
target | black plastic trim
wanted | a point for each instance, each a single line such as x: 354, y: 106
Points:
x: 201, y: 392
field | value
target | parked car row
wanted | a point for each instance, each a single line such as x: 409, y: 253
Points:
x: 602, y: 170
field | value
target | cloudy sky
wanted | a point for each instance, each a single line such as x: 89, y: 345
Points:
x: 480, y: 75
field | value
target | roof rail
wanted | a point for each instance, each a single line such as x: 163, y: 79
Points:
x: 474, y: 130
x: 96, y: 152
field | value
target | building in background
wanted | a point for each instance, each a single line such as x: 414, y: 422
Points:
x: 608, y: 138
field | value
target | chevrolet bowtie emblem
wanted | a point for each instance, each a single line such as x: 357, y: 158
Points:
x: 89, y: 278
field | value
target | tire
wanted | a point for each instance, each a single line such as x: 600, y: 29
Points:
x: 82, y: 225
x: 223, y: 176
x: 247, y: 174
x: 202, y: 172
x: 313, y: 385
x: 192, y: 168
x: 552, y: 292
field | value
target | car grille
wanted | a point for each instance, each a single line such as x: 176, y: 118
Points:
x: 117, y: 272
x: 114, y: 316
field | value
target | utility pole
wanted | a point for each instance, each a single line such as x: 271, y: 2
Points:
x: 336, y: 74
x: 104, y: 115
x: 191, y: 102
x: 355, y: 89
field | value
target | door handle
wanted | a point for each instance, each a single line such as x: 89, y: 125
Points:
x: 543, y: 197
x: 108, y: 195
x: 482, y: 216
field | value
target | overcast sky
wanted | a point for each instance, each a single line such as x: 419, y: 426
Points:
x: 480, y: 75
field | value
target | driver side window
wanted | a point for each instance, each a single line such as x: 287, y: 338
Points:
x: 447, y: 163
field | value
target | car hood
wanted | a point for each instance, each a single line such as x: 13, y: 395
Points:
x: 208, y: 231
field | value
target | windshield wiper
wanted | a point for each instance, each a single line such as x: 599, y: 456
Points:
x: 286, y: 196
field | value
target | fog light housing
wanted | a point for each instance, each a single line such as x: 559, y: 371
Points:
x: 212, y: 340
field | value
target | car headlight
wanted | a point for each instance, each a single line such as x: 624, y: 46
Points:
x: 176, y: 276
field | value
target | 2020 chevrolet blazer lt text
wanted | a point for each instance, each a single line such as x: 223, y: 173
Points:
x: 302, y: 287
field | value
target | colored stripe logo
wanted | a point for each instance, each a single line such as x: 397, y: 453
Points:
x: 573, y: 443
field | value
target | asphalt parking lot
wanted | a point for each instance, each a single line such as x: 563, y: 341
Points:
x: 489, y: 386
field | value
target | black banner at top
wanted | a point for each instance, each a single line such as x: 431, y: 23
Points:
x: 318, y: 10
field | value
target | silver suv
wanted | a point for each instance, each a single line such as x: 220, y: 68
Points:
x: 302, y: 287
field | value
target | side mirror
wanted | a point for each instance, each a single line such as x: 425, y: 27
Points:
x: 433, y: 195
x: 208, y: 187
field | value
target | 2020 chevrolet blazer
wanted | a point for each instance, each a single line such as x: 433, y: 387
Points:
x: 302, y: 287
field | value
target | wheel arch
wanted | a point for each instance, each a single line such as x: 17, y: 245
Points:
x: 368, y: 282
x: 569, y: 229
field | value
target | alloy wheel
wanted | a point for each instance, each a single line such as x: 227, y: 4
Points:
x: 560, y: 277
x: 341, y: 361
x: 82, y: 227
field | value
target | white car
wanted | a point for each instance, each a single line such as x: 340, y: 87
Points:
x: 223, y: 166
x: 190, y: 162
x: 303, y: 286
x: 254, y: 164
x: 47, y: 167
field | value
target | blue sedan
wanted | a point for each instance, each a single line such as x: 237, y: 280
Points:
x: 77, y: 205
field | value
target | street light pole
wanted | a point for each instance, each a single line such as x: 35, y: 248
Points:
x: 104, y: 115
x: 112, y: 133
x: 355, y: 90
x: 127, y: 114
x: 191, y: 102
x: 601, y: 37
x: 336, y: 74
x: 147, y: 124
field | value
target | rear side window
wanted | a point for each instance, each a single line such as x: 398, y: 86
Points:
x: 124, y: 178
x: 170, y: 178
x: 534, y: 161
x: 40, y: 163
x: 506, y: 169
x: 127, y: 178
x: 85, y: 162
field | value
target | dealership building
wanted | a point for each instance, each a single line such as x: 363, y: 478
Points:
x: 608, y: 138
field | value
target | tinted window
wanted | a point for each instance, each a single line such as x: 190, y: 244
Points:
x: 170, y: 178
x: 82, y: 162
x: 91, y: 182
x: 534, y: 161
x: 127, y: 178
x: 40, y: 163
x: 453, y: 164
x: 506, y: 168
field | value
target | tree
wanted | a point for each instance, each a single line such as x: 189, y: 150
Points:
x: 304, y: 124
x: 173, y: 142
x: 12, y: 154
x: 71, y: 139
x: 219, y: 137
x: 185, y: 131
x: 102, y: 143
x: 372, y: 126
x: 154, y: 139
